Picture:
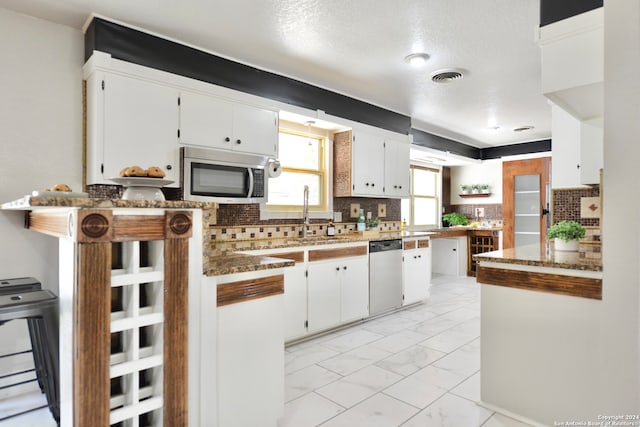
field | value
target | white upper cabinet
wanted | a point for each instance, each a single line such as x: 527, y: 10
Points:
x: 369, y: 164
x: 577, y: 150
x: 211, y: 122
x: 130, y: 122
x: 205, y: 121
x: 396, y: 168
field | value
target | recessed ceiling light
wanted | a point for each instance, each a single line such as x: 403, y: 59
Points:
x: 522, y: 128
x: 416, y: 59
x: 446, y: 76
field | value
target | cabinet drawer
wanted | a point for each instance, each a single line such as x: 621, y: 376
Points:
x: 324, y: 254
x: 410, y: 244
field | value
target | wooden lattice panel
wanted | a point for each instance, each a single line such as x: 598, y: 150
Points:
x: 136, y: 361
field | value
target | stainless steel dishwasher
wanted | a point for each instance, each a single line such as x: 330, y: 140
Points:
x: 385, y: 275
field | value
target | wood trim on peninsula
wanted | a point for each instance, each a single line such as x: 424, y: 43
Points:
x: 245, y: 290
x: 583, y: 287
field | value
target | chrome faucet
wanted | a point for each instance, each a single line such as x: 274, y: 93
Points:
x: 305, y: 211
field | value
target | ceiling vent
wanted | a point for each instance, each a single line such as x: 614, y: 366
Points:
x: 446, y: 76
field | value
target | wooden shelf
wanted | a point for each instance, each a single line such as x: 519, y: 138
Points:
x: 475, y: 195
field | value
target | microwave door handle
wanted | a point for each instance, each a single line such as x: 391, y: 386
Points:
x: 250, y: 172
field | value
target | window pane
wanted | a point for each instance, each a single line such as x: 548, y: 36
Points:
x: 288, y: 189
x: 300, y: 152
x: 424, y: 211
x: 424, y: 182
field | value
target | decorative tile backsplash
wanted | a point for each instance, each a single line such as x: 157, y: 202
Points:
x: 273, y: 231
x: 567, y: 203
x: 492, y: 211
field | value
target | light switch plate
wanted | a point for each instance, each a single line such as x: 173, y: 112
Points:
x: 382, y: 210
x: 337, y: 216
x: 355, y: 210
x: 480, y: 212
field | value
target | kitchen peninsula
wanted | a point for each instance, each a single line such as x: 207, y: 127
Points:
x: 538, y: 307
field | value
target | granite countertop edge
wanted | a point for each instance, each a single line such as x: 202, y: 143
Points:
x: 541, y: 259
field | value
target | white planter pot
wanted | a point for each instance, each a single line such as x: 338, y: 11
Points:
x: 565, y: 246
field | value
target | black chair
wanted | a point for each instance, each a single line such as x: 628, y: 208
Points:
x: 23, y: 298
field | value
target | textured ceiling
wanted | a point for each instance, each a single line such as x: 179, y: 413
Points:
x: 356, y: 47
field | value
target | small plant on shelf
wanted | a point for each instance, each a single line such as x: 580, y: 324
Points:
x: 455, y: 218
x: 484, y: 188
x: 475, y: 188
x: 465, y: 189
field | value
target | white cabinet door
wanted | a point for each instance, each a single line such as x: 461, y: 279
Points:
x: 354, y: 289
x: 255, y: 130
x: 140, y: 126
x: 396, y: 168
x: 591, y: 153
x: 416, y: 275
x: 295, y: 302
x: 445, y: 256
x: 367, y: 164
x: 324, y: 295
x: 205, y: 121
x: 250, y: 360
x: 208, y: 121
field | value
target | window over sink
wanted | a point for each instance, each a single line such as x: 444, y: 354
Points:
x: 303, y: 158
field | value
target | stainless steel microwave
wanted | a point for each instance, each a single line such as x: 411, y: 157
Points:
x: 223, y: 176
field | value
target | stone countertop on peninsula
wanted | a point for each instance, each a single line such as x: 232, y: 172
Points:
x: 34, y: 202
x: 541, y: 256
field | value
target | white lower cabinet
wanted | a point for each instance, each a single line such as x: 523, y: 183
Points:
x: 449, y: 256
x: 416, y: 271
x: 338, y: 292
x: 250, y: 356
x: 295, y: 301
x: 324, y: 295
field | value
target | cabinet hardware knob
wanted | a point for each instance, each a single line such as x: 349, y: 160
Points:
x: 344, y: 268
x: 400, y: 187
x: 337, y: 268
x: 373, y: 184
x: 227, y: 139
x: 169, y: 167
x: 367, y: 184
x: 238, y: 141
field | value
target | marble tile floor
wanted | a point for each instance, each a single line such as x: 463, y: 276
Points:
x: 416, y: 367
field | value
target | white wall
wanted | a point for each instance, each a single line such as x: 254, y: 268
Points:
x: 41, y: 140
x: 487, y: 172
x: 618, y: 336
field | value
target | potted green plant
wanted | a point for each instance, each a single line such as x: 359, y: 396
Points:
x: 465, y: 189
x: 484, y: 188
x: 475, y: 188
x: 455, y: 218
x: 372, y: 222
x: 566, y: 235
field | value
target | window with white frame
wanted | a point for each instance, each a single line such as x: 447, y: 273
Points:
x: 303, y: 160
x: 423, y: 206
